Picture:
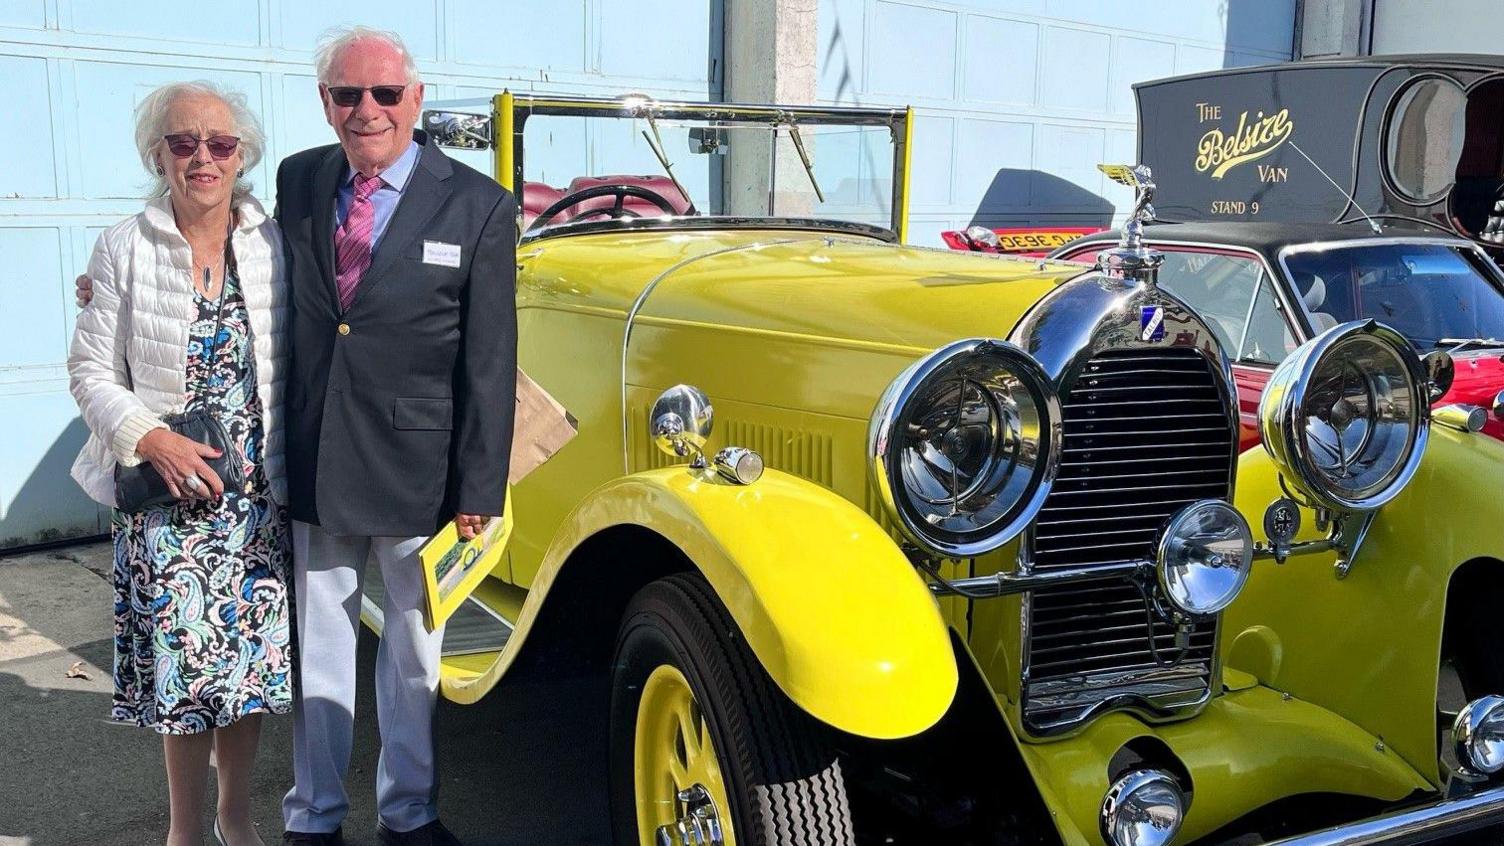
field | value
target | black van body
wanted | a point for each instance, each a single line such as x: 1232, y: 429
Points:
x: 1415, y: 140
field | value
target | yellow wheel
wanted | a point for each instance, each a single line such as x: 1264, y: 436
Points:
x: 678, y: 778
x: 705, y: 749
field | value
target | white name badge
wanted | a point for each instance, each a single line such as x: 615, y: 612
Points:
x: 438, y: 252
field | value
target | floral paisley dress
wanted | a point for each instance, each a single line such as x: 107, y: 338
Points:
x: 201, y: 586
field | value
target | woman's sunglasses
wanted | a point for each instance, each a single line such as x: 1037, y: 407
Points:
x: 183, y: 146
x: 349, y: 95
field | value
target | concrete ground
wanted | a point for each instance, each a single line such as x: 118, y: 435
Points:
x: 520, y: 767
x: 68, y: 776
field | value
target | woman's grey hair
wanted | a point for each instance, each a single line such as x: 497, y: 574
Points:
x: 336, y: 41
x: 151, y: 125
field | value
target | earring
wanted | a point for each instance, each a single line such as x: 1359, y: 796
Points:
x: 240, y: 173
x: 160, y: 171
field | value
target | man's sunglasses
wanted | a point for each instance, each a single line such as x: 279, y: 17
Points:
x: 349, y: 95
x: 183, y: 145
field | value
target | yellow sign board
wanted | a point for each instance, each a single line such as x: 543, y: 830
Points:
x: 452, y: 566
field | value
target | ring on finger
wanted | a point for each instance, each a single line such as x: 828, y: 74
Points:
x: 194, y: 484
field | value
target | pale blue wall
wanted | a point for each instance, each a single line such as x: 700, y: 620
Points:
x: 75, y: 68
x: 1018, y: 100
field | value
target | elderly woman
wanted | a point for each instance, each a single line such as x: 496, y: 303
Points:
x: 188, y: 315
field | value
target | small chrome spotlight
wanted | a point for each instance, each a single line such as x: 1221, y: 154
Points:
x: 1143, y: 808
x: 1205, y: 553
x: 1478, y: 736
x: 738, y: 464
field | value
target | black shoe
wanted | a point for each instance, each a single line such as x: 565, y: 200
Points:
x: 305, y: 838
x: 433, y: 834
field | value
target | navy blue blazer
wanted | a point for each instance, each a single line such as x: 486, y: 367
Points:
x: 399, y: 410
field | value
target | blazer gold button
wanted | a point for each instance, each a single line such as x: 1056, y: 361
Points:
x: 344, y: 328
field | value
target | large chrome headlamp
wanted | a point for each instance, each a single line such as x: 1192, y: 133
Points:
x: 1346, y: 416
x: 964, y: 446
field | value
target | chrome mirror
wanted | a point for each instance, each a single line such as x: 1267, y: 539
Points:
x: 459, y: 130
x: 680, y: 423
x: 1440, y: 371
x: 708, y: 141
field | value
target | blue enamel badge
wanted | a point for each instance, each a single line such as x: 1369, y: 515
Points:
x: 1151, y: 323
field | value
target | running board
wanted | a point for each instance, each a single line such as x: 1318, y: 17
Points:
x: 474, y: 628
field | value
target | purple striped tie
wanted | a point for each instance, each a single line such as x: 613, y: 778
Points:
x: 352, y: 241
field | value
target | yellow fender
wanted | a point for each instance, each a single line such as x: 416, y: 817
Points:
x: 1367, y: 647
x: 825, y: 599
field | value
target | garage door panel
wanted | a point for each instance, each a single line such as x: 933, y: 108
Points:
x: 31, y: 312
x: 1135, y: 60
x: 931, y: 177
x: 233, y: 21
x: 1001, y: 61
x: 25, y: 13
x: 900, y: 29
x: 995, y: 162
x: 108, y: 93
x: 303, y: 24
x: 1075, y: 69
x: 656, y: 39
x: 545, y: 34
x: 27, y: 148
x: 1070, y: 154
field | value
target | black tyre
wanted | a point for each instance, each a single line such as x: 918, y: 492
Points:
x: 701, y: 736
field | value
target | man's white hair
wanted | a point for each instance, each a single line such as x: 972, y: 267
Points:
x: 335, y: 41
x: 151, y: 125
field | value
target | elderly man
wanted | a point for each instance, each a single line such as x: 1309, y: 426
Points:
x: 399, y: 415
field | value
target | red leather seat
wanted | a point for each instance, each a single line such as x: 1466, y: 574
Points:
x: 536, y: 197
x: 660, y: 185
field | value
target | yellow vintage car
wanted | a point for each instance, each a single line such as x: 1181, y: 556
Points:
x: 885, y: 544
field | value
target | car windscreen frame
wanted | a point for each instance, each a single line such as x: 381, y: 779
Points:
x: 511, y: 112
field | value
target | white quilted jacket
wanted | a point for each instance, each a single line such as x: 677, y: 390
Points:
x: 128, y: 363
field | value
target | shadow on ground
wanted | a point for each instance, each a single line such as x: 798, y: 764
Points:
x: 517, y: 768
x: 523, y: 766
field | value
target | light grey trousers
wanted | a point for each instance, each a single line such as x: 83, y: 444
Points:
x: 328, y: 573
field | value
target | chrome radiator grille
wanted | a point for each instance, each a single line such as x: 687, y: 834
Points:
x: 1146, y: 432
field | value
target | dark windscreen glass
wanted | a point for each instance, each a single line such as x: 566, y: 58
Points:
x: 1428, y: 292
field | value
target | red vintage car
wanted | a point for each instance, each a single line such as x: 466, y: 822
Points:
x: 1018, y: 241
x: 1266, y: 288
x: 1411, y: 141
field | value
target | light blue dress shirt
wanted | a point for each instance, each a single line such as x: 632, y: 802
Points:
x: 384, y: 201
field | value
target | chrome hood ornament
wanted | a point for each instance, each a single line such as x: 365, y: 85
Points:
x: 1130, y: 259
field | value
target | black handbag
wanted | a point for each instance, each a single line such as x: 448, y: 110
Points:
x: 141, y: 487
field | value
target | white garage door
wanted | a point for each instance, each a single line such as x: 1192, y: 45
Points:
x: 1437, y: 26
x: 74, y: 69
x: 1018, y: 100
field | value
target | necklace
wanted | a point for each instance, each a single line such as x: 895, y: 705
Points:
x: 204, y: 277
x: 205, y: 270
